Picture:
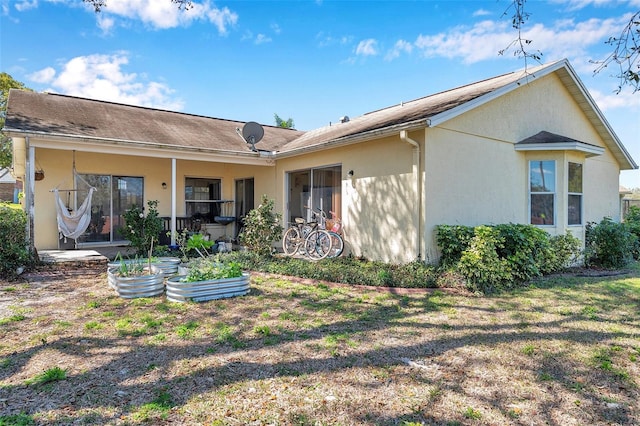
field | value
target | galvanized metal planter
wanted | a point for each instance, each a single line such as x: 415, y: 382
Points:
x: 200, y: 291
x: 169, y: 265
x: 129, y: 287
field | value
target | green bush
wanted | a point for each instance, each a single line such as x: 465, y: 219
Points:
x: 347, y: 270
x: 14, y: 250
x: 609, y: 244
x: 261, y: 228
x: 143, y: 231
x: 453, y: 240
x: 565, y: 251
x: 632, y: 219
x: 480, y: 263
x: 495, y: 257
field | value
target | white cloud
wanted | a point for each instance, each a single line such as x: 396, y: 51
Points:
x: 608, y: 101
x: 482, y: 12
x: 261, y: 38
x: 482, y: 41
x: 400, y: 47
x: 23, y: 5
x: 44, y: 76
x: 102, y: 77
x: 165, y: 14
x: 367, y: 47
x: 276, y: 28
x: 325, y: 40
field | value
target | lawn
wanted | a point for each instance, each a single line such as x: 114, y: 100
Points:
x: 565, y: 351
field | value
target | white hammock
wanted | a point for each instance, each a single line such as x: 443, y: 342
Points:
x: 72, y: 225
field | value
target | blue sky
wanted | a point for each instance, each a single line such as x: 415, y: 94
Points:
x: 313, y: 61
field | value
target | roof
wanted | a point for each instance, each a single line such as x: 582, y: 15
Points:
x: 49, y: 115
x: 61, y: 115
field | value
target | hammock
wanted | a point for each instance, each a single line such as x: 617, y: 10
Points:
x: 72, y: 225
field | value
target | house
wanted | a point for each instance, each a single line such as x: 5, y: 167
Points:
x: 524, y: 147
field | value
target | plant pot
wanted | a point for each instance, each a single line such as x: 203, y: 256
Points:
x: 200, y: 291
x: 129, y: 287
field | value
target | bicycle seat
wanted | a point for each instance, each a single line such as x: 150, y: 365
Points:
x: 299, y: 220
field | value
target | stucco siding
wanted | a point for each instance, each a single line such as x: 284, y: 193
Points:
x: 378, y: 203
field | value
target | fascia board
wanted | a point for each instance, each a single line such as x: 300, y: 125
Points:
x: 590, y: 150
x: 109, y: 146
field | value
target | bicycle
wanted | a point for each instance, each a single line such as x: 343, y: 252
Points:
x: 315, y: 240
x: 334, y: 227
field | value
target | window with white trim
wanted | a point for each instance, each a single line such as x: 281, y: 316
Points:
x: 574, y: 199
x: 542, y: 192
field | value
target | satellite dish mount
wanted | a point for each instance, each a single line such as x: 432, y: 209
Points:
x: 251, y: 133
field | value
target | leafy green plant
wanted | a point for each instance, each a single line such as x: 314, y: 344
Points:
x: 212, y: 268
x: 142, y: 230
x: 261, y: 228
x: 198, y: 243
x: 480, y: 264
x: 609, y: 244
x: 15, y: 255
x: 452, y: 240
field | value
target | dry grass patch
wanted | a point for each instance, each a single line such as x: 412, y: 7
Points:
x: 564, y: 352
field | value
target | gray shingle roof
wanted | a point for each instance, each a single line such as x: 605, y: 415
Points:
x: 78, y: 117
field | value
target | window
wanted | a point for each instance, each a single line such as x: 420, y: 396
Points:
x: 244, y: 197
x: 542, y: 192
x: 203, y: 198
x: 318, y: 188
x: 574, y: 213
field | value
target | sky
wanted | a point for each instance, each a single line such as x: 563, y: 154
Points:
x: 312, y: 61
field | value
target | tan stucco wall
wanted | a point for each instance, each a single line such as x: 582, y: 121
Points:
x: 475, y: 176
x: 378, y: 203
x: 58, y: 166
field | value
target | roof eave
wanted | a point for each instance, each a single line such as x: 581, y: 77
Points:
x: 356, y: 138
x: 588, y: 150
x: 128, y: 147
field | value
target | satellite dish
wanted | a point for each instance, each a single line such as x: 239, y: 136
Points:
x: 252, y: 133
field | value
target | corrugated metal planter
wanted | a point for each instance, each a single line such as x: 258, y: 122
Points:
x: 200, y: 291
x: 147, y: 285
x: 169, y: 265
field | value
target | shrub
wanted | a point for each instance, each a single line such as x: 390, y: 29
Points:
x: 14, y: 250
x: 525, y: 248
x: 632, y: 219
x: 609, y: 244
x: 347, y: 270
x: 453, y: 240
x: 480, y: 264
x: 261, y: 228
x: 565, y: 250
x: 142, y: 231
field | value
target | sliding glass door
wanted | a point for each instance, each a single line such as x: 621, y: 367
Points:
x: 113, y: 197
x: 319, y: 189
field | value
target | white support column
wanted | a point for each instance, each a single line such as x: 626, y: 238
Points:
x: 173, y: 201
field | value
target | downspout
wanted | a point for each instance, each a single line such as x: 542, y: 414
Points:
x: 29, y: 191
x: 404, y: 136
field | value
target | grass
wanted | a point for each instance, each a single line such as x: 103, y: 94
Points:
x: 565, y: 350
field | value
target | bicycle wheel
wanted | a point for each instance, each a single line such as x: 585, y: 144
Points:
x: 318, y: 244
x: 337, y: 244
x: 291, y: 241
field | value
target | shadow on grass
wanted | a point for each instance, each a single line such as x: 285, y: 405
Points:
x: 124, y: 393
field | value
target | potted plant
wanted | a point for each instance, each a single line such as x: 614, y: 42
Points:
x: 207, y: 279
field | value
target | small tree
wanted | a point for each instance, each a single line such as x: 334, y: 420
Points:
x: 142, y: 230
x: 288, y: 124
x: 261, y: 228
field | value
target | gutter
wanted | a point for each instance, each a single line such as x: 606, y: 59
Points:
x: 356, y: 138
x: 170, y: 151
x: 404, y: 136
